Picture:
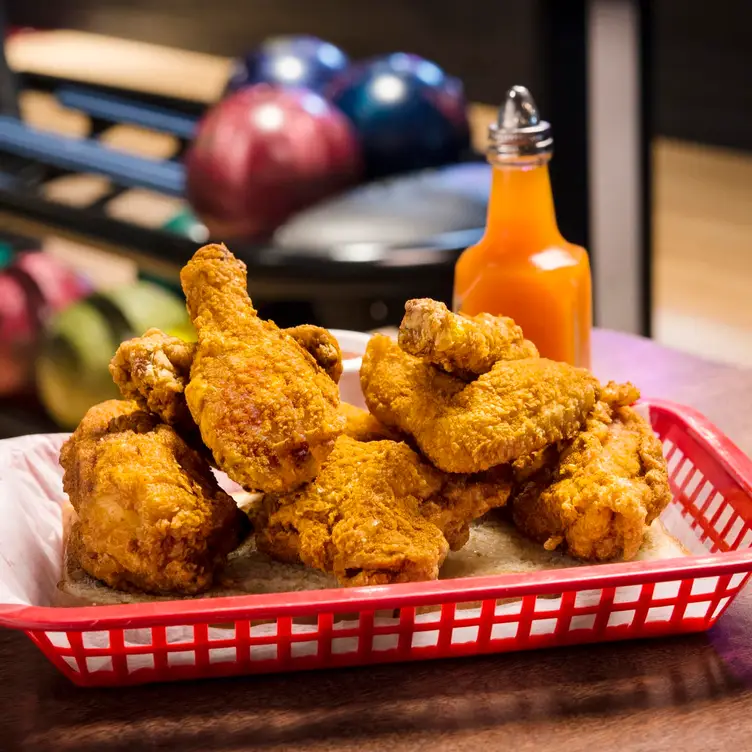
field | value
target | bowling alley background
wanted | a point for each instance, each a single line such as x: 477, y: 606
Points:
x: 296, y: 126
x: 330, y: 144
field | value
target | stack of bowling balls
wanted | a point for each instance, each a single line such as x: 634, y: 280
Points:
x: 34, y: 286
x: 298, y: 122
x: 72, y: 371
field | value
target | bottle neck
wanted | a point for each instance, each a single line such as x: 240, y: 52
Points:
x: 521, y: 207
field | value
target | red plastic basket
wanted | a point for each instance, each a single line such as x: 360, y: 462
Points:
x: 712, y: 485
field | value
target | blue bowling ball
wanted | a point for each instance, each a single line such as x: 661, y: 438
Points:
x: 408, y: 113
x: 291, y: 61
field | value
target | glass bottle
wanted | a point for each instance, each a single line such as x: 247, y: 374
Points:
x: 522, y: 267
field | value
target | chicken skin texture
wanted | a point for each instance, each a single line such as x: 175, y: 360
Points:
x: 362, y: 426
x: 153, y: 370
x: 462, y: 345
x: 323, y: 347
x: 596, y: 496
x: 376, y: 514
x: 150, y: 513
x: 265, y: 409
x: 515, y: 409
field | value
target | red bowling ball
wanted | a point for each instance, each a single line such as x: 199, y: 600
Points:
x: 32, y: 288
x: 264, y: 153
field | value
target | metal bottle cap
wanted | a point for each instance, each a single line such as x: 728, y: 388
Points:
x: 519, y: 133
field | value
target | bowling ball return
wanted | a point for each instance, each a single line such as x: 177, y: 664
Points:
x: 348, y: 262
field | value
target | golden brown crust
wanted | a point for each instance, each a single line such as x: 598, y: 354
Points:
x: 266, y: 410
x: 154, y: 370
x: 515, y: 409
x: 462, y: 345
x: 362, y: 426
x: 322, y: 346
x: 150, y: 513
x: 599, y: 494
x: 376, y: 513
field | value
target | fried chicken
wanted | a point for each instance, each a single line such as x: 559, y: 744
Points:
x: 362, y: 426
x: 266, y: 410
x: 515, y: 409
x: 150, y: 513
x: 322, y: 346
x: 153, y: 370
x: 464, y: 346
x: 596, y: 496
x: 376, y: 513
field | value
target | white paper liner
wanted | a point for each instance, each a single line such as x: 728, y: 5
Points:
x: 32, y: 504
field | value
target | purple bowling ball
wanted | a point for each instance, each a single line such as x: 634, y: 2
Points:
x: 408, y: 113
x: 300, y: 62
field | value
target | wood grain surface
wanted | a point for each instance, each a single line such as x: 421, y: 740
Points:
x: 689, y: 693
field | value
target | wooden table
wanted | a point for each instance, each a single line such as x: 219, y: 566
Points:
x: 689, y: 693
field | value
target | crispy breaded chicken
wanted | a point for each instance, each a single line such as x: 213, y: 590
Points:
x: 153, y: 370
x: 150, y: 513
x: 266, y: 410
x: 596, y: 496
x: 362, y: 426
x: 376, y: 513
x: 515, y: 409
x: 322, y: 345
x: 462, y: 345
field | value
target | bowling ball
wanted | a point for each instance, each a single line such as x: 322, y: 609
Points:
x: 264, y: 153
x: 408, y: 113
x: 32, y: 288
x: 302, y: 62
x: 72, y: 371
x: 59, y: 284
x: 186, y: 224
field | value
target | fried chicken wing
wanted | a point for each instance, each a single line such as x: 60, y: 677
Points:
x: 376, y: 513
x: 515, y: 409
x: 150, y: 513
x: 153, y: 370
x: 462, y: 345
x: 596, y: 497
x: 266, y: 410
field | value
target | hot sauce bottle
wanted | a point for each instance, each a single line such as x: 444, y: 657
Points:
x: 523, y: 267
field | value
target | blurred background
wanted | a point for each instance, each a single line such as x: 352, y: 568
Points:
x: 108, y: 182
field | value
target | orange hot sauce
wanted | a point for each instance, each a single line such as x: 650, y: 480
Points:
x: 523, y: 267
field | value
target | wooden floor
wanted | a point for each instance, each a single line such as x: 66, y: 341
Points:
x: 702, y: 210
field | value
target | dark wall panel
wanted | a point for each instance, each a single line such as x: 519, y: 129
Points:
x: 703, y: 70
x: 488, y: 44
x: 702, y: 51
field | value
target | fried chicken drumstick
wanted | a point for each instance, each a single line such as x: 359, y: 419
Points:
x: 265, y: 409
x: 376, y: 513
x: 515, y: 409
x: 155, y: 368
x: 462, y: 345
x: 150, y: 513
x: 596, y: 497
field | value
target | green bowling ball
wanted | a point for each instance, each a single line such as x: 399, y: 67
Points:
x: 72, y: 371
x: 185, y: 223
x: 6, y: 254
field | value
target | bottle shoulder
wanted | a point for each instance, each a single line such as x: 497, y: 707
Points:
x: 556, y: 255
